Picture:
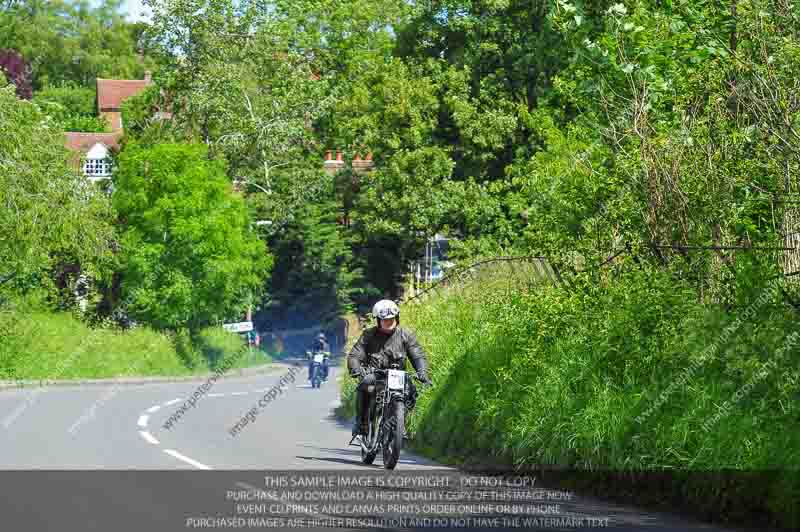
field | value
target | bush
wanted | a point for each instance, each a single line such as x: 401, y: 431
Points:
x: 612, y: 377
x: 223, y: 349
x: 43, y: 345
x: 72, y: 107
x: 189, y: 255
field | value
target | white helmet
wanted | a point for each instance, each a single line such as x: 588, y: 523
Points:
x: 385, y: 309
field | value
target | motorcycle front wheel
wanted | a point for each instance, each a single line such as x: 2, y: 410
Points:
x: 368, y: 455
x: 393, y: 436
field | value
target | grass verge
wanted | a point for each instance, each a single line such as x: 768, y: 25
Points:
x: 631, y: 389
x: 47, y: 345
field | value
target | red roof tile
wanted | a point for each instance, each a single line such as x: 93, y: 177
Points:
x: 83, y: 142
x: 80, y: 143
x: 112, y: 92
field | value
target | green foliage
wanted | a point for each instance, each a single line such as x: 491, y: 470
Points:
x: 88, y: 124
x: 50, y: 213
x: 676, y: 144
x: 218, y: 344
x: 587, y: 380
x: 393, y: 109
x: 237, y: 88
x: 38, y: 344
x: 507, y: 54
x: 314, y: 279
x: 225, y: 350
x: 142, y: 121
x: 73, y: 41
x: 189, y: 256
x: 71, y: 107
x: 73, y: 100
x: 214, y: 348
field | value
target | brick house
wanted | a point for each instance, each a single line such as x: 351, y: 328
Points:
x: 94, y: 151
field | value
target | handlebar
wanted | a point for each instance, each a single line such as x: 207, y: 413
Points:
x: 386, y: 372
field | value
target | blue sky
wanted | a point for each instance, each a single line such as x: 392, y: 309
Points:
x: 134, y: 8
x: 136, y: 11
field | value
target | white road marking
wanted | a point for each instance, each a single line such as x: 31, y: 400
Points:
x: 216, y: 395
x: 172, y: 402
x: 186, y: 459
x: 143, y: 420
x: 238, y: 393
x: 149, y: 437
x: 153, y: 408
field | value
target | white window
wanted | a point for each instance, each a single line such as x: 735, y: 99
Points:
x: 98, y: 163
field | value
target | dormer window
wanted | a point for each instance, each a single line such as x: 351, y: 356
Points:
x: 98, y: 163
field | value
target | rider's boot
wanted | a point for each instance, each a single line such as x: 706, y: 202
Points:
x: 361, y: 423
x: 359, y: 429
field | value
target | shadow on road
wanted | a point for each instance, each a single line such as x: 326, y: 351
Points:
x: 333, y: 460
x: 332, y: 450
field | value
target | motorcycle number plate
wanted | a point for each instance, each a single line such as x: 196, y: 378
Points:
x: 318, y: 357
x: 397, y: 379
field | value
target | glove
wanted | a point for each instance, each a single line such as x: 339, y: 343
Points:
x: 423, y: 377
x: 360, y: 373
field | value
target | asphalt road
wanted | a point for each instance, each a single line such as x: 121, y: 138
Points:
x: 100, y: 458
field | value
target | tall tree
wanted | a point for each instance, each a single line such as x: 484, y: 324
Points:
x: 190, y: 255
x: 72, y: 40
x: 17, y: 71
x: 49, y: 210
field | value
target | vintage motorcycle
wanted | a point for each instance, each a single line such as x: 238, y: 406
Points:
x: 386, y: 417
x: 317, y: 370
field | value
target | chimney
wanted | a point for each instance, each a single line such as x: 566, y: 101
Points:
x: 147, y: 76
x: 361, y: 165
x: 333, y: 165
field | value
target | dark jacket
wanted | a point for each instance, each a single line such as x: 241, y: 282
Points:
x: 378, y: 350
x: 321, y: 345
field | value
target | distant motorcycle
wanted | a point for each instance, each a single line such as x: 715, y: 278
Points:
x: 317, y: 369
x: 387, y: 417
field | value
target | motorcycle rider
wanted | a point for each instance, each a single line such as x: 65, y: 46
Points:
x: 320, y: 346
x: 377, y: 348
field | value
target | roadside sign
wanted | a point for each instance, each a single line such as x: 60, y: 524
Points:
x: 242, y: 326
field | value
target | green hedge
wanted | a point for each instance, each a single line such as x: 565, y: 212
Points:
x: 42, y: 345
x: 47, y: 345
x: 610, y: 378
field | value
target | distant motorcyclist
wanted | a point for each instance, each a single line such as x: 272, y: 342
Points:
x: 379, y: 347
x: 320, y: 345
